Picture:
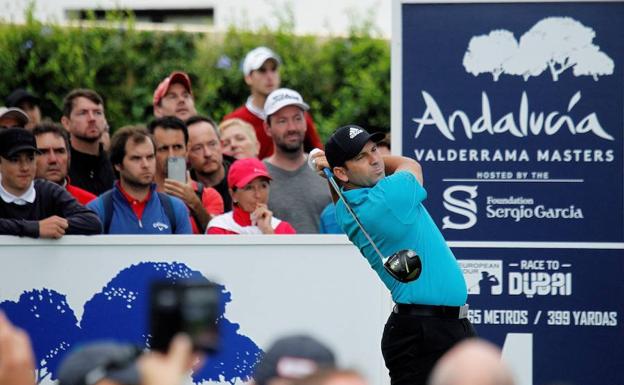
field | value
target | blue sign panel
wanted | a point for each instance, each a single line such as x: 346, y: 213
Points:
x: 566, y: 305
x: 516, y: 113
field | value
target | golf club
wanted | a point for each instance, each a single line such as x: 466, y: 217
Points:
x: 404, y: 265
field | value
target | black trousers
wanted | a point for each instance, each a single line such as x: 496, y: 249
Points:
x: 411, y: 345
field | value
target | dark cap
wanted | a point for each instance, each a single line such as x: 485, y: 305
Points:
x: 347, y: 142
x: 92, y: 363
x: 19, y: 95
x: 16, y: 139
x: 293, y: 357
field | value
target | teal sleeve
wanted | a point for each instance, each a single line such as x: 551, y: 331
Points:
x: 403, y: 194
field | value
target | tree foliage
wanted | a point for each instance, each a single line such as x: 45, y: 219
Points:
x: 344, y: 79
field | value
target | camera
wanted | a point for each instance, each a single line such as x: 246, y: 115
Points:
x: 185, y: 306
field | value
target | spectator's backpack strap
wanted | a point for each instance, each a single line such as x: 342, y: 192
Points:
x: 107, y: 203
x: 167, y: 205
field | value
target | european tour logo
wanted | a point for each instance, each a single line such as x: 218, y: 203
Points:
x: 553, y: 47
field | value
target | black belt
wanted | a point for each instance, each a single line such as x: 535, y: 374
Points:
x: 457, y: 312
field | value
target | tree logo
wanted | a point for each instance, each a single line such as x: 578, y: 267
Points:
x: 554, y: 43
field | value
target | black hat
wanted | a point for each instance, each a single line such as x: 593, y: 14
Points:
x: 347, y: 142
x: 19, y: 95
x: 16, y: 139
x: 293, y: 357
x: 101, y: 360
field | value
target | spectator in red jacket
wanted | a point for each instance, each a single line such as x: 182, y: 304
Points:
x: 261, y: 70
x: 171, y: 137
x: 248, y: 180
x: 53, y: 162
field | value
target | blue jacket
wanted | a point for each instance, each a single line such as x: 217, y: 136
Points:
x: 154, y: 221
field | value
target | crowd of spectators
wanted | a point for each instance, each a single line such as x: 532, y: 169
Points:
x: 124, y: 178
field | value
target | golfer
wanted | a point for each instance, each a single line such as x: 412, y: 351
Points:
x: 386, y: 194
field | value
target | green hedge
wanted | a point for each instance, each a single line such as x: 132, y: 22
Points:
x: 345, y: 80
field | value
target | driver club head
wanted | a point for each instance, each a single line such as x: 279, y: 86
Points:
x: 404, y: 265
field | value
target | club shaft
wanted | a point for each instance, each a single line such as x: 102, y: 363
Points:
x: 336, y: 188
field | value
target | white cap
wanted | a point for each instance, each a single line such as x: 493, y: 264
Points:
x: 256, y: 58
x: 15, y: 113
x: 281, y: 98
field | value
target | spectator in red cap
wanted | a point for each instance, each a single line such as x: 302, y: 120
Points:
x: 174, y: 97
x: 261, y: 70
x: 248, y: 181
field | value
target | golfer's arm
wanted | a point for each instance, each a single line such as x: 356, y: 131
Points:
x: 401, y: 163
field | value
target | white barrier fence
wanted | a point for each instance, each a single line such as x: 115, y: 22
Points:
x: 278, y: 284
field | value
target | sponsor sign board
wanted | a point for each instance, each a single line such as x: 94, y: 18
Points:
x: 562, y: 305
x: 516, y: 113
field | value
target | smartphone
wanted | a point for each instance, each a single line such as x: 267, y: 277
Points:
x: 176, y: 168
x: 185, y: 306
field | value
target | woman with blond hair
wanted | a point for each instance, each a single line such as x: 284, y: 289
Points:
x: 238, y: 139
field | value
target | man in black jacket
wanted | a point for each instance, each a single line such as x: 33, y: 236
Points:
x: 35, y: 208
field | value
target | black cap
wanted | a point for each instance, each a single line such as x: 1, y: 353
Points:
x: 293, y: 357
x: 16, y: 139
x: 19, y: 95
x: 347, y: 142
x: 98, y: 361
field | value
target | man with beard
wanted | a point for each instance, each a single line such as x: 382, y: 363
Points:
x: 261, y: 71
x: 83, y: 117
x: 174, y: 97
x: 53, y: 160
x: 208, y: 164
x: 133, y: 206
x: 298, y: 195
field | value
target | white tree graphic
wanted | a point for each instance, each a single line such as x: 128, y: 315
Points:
x: 591, y: 61
x: 488, y: 53
x: 554, y: 43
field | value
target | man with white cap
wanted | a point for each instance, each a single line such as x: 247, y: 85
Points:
x: 12, y: 117
x: 298, y: 195
x: 261, y: 70
x: 174, y: 97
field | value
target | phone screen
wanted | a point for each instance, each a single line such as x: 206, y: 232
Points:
x: 176, y: 168
x: 189, y: 307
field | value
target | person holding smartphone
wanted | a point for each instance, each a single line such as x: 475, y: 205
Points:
x: 171, y: 136
x: 249, y: 184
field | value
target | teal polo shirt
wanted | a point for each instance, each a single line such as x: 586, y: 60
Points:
x: 393, y: 215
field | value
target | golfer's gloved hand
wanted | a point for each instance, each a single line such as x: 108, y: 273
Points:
x: 317, y: 161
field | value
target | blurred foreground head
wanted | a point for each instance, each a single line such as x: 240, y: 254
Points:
x: 472, y: 362
x: 291, y: 358
x: 101, y: 361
